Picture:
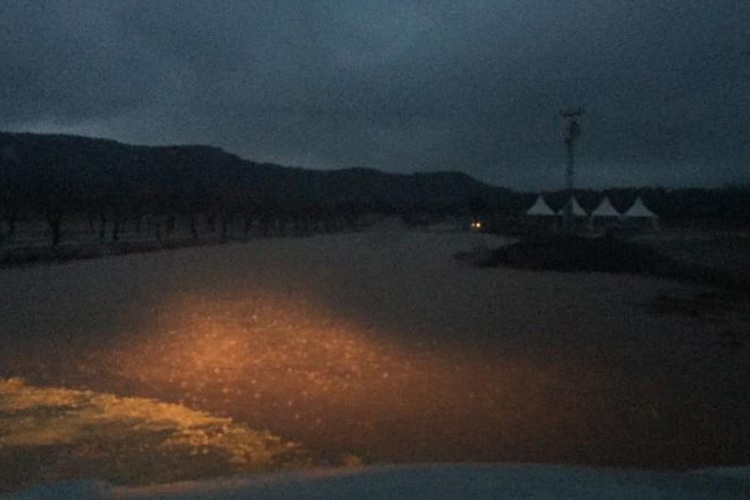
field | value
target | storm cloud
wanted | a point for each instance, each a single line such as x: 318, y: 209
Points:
x: 402, y: 86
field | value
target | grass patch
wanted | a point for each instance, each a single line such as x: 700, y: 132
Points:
x: 55, y: 434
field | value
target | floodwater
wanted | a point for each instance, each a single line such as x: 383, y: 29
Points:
x: 380, y: 345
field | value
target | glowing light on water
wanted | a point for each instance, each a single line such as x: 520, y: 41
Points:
x: 285, y: 354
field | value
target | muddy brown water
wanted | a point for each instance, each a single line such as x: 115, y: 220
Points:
x: 381, y: 346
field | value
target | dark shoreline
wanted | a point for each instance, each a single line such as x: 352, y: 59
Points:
x: 30, y: 256
x: 605, y: 254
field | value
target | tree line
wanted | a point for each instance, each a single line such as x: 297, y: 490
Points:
x: 111, y: 188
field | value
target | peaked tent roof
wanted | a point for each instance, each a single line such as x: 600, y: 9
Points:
x: 639, y: 209
x: 540, y: 207
x: 605, y: 209
x: 578, y: 210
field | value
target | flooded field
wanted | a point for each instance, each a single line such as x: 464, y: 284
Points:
x: 379, y: 347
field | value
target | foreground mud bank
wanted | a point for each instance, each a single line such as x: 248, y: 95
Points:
x: 51, y: 434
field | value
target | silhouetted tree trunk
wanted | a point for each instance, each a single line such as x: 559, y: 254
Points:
x: 102, y: 225
x: 117, y: 223
x: 54, y: 220
x: 248, y: 225
x: 225, y: 227
x: 91, y: 219
x: 194, y: 226
x: 266, y: 223
x: 170, y: 224
x: 10, y: 219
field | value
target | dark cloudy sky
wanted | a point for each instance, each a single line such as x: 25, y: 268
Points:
x: 400, y: 85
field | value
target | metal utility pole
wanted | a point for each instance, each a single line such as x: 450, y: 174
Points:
x: 572, y: 132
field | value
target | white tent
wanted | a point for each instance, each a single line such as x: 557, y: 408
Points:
x: 540, y: 207
x: 578, y: 210
x: 640, y: 212
x: 639, y: 209
x: 605, y: 213
x: 605, y: 209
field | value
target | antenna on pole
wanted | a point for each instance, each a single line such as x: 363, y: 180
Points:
x: 572, y: 133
